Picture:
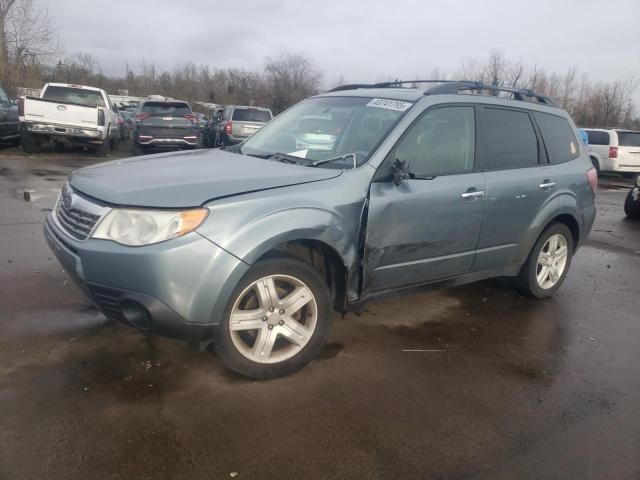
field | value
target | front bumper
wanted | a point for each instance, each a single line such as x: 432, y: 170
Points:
x: 179, y: 288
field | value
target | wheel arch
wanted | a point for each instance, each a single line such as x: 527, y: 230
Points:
x: 321, y: 255
x: 560, y: 209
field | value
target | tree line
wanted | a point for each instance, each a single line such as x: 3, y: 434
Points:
x: 31, y: 55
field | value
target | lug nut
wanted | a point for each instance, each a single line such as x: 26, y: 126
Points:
x: 270, y: 327
x: 271, y: 309
x: 281, y: 322
x: 281, y: 311
x: 264, y: 319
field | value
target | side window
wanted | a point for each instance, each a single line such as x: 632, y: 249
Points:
x: 442, y: 142
x: 598, y: 137
x: 558, y: 137
x: 3, y: 96
x: 510, y: 139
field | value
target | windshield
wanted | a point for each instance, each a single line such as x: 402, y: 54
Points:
x: 166, y: 108
x: 251, y: 115
x: 629, y: 139
x: 328, y: 127
x: 79, y: 96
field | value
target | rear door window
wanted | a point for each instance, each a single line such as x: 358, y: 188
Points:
x: 598, y: 137
x: 251, y: 115
x: 558, y: 137
x: 510, y: 139
x: 78, y: 96
x: 166, y: 108
x: 629, y: 139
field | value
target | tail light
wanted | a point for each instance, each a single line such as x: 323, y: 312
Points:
x: 228, y: 128
x: 101, y: 117
x: 193, y: 118
x: 141, y: 116
x: 592, y: 175
x: 613, y: 152
x: 21, y: 107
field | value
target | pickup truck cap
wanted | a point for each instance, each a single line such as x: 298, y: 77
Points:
x: 187, y: 179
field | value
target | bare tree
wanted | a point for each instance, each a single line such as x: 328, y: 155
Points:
x: 5, y: 8
x: 292, y: 77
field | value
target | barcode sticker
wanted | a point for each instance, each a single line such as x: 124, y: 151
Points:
x: 396, y: 105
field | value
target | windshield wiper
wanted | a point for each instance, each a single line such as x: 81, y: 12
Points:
x: 336, y: 159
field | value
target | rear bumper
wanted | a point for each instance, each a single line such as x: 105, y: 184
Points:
x: 177, y: 288
x: 620, y: 165
x: 169, y: 141
x: 73, y: 133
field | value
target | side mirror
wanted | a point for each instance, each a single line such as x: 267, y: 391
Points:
x: 399, y: 171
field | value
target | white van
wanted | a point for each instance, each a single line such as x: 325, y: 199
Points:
x: 614, y: 150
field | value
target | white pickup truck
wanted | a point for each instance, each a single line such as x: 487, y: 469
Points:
x: 69, y: 114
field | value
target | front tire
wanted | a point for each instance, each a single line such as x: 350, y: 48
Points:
x: 631, y: 207
x: 548, y: 263
x: 277, y: 320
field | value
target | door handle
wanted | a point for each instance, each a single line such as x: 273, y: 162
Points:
x: 547, y: 184
x: 473, y: 195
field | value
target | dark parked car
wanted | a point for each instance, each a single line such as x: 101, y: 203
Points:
x: 632, y: 202
x: 123, y: 126
x: 249, y: 249
x: 9, y: 131
x: 237, y: 123
x: 130, y: 118
x: 166, y: 123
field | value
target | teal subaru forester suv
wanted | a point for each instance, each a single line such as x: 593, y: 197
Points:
x: 360, y: 191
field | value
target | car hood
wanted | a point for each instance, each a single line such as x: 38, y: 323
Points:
x: 188, y: 179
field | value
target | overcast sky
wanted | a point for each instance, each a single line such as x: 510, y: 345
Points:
x: 364, y: 40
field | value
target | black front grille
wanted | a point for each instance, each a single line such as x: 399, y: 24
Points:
x: 76, y: 222
x: 108, y: 300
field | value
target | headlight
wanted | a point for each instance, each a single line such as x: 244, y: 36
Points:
x: 144, y: 227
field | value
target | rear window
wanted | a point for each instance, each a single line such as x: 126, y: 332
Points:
x: 78, y: 96
x: 558, y: 137
x: 166, y: 108
x: 629, y: 139
x: 510, y: 138
x: 598, y: 137
x: 251, y: 115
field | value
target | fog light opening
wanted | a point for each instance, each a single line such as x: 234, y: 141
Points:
x: 136, y: 314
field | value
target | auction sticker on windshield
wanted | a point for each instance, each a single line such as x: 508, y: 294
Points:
x: 389, y: 104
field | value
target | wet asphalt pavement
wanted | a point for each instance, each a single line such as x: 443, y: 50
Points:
x: 501, y: 387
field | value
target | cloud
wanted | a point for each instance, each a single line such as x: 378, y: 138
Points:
x: 364, y: 40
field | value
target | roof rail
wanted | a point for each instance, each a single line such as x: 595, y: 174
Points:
x: 352, y: 86
x: 454, y: 87
x: 518, y: 94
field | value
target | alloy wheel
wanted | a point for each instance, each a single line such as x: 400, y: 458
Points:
x: 552, y: 261
x: 273, y: 319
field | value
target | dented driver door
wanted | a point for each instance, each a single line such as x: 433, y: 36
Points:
x: 426, y: 227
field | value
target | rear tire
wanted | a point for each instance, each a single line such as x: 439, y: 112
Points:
x: 28, y: 141
x: 139, y: 149
x: 286, y: 324
x: 541, y: 280
x: 631, y: 207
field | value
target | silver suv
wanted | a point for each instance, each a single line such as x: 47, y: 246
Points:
x: 249, y: 250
